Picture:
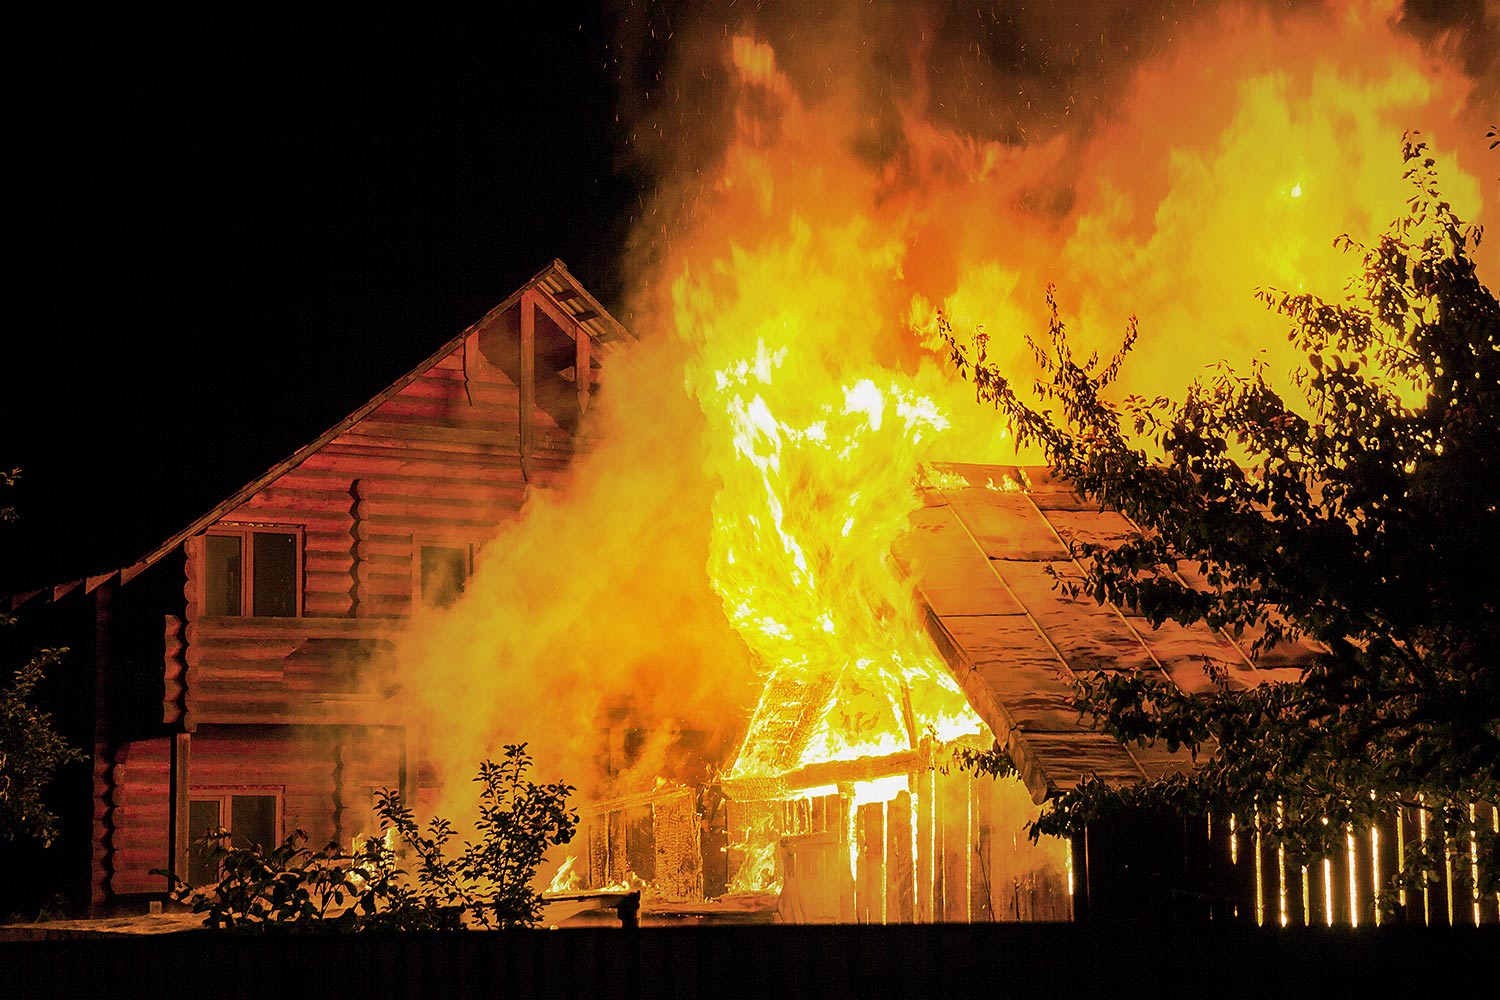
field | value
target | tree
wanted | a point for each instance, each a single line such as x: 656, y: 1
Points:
x: 1365, y: 520
x: 31, y: 748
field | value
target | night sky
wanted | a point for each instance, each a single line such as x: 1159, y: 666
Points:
x: 227, y: 234
x: 230, y: 227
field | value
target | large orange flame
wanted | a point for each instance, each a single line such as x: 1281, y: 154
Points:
x: 787, y: 273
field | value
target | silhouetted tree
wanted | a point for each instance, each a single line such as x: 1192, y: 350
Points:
x: 1365, y: 520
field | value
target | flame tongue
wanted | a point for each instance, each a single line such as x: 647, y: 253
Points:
x: 817, y: 469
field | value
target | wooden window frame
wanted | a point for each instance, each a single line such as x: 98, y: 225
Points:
x: 245, y: 531
x: 224, y: 795
x: 419, y: 542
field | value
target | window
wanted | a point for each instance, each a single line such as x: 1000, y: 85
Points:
x: 252, y: 568
x: 250, y: 817
x: 442, y: 571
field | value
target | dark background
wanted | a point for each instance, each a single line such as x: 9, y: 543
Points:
x: 229, y: 226
x: 227, y: 231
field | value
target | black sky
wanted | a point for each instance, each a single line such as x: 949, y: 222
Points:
x: 230, y: 225
x: 228, y: 231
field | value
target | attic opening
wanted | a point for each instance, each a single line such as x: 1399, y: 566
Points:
x: 542, y: 343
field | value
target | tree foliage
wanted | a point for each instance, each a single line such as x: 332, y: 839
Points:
x: 31, y: 748
x: 490, y: 880
x: 1362, y: 520
x: 403, y: 880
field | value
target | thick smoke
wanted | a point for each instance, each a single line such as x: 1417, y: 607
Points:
x: 842, y: 170
x: 1155, y: 158
x: 589, y: 629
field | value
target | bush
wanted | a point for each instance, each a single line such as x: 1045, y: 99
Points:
x: 488, y: 884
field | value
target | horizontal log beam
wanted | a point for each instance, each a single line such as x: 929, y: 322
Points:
x: 829, y: 773
x: 299, y: 628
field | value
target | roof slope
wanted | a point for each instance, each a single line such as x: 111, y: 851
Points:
x: 554, y: 279
x: 980, y: 547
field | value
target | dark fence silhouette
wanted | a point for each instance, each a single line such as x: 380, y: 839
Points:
x: 912, y: 962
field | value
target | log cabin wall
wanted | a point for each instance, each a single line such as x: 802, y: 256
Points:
x: 281, y: 706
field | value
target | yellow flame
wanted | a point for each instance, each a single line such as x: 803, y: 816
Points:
x: 816, y: 456
x: 763, y: 443
x: 566, y: 879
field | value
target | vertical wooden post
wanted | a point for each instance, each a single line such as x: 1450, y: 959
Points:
x: 103, y: 772
x: 981, y: 851
x: 921, y: 845
x: 528, y: 377
x: 181, y: 778
x: 583, y: 373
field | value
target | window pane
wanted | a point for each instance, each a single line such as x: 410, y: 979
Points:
x: 221, y: 572
x: 203, y: 816
x: 274, y: 571
x: 253, y: 821
x: 444, y: 572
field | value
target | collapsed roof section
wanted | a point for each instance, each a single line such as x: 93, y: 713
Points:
x: 981, y: 547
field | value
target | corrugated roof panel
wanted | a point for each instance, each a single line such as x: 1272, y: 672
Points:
x: 1005, y: 525
x: 1283, y: 656
x: 1003, y: 639
x: 1009, y: 664
x: 1094, y: 527
x: 1181, y: 651
x: 1037, y: 697
x: 956, y: 578
x: 1050, y: 500
x: 1017, y: 668
x: 1157, y: 761
x: 1089, y: 636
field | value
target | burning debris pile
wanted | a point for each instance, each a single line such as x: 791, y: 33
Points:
x: 706, y: 628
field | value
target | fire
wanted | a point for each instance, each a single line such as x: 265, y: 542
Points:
x: 566, y: 879
x: 764, y: 443
x: 808, y: 508
x: 819, y: 407
x: 805, y: 279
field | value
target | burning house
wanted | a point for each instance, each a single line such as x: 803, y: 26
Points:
x: 244, y: 678
x: 807, y: 570
x: 843, y: 802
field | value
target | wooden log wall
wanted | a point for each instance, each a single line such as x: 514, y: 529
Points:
x: 438, y: 462
x: 299, y: 764
x: 279, y: 703
x: 140, y: 813
x: 325, y: 777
